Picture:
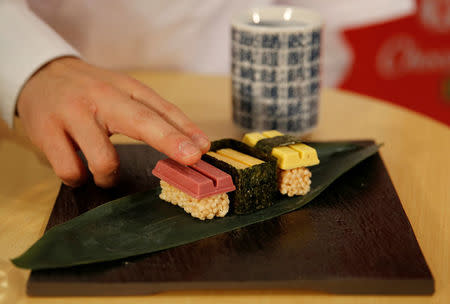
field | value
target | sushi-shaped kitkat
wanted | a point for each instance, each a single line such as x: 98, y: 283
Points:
x: 200, y: 189
x: 293, y: 158
x: 253, y: 173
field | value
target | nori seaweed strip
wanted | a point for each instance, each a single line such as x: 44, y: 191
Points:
x: 267, y: 144
x: 255, y: 186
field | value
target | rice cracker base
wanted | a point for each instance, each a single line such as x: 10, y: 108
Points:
x: 205, y: 208
x: 295, y: 181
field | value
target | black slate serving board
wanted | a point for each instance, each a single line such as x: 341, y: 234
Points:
x: 353, y: 238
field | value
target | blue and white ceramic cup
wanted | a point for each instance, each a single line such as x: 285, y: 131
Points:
x: 276, y: 69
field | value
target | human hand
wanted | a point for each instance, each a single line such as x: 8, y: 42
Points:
x: 69, y: 104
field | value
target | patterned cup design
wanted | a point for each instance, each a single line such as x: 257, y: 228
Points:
x: 276, y: 78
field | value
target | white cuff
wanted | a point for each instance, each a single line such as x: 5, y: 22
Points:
x: 26, y: 44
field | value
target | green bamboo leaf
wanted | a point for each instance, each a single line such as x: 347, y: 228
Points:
x: 142, y: 223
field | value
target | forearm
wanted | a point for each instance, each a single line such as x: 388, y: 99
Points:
x: 26, y: 44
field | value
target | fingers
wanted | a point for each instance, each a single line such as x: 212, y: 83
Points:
x: 100, y: 154
x: 123, y: 115
x: 168, y: 111
x: 71, y: 104
x: 61, y: 154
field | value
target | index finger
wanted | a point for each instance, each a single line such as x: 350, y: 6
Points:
x: 124, y: 115
x: 167, y: 110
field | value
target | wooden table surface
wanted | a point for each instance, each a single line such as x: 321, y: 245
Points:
x: 416, y: 153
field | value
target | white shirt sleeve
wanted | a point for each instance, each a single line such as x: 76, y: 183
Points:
x: 26, y: 44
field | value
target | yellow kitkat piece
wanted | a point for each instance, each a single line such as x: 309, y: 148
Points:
x: 287, y: 158
x: 308, y: 155
x: 228, y: 160
x: 271, y: 133
x: 240, y: 157
x: 251, y: 139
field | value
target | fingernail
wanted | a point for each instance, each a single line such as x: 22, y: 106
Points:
x: 188, y: 149
x: 201, y: 140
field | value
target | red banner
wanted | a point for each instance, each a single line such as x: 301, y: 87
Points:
x: 405, y: 61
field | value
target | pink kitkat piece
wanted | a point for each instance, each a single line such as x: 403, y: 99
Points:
x: 199, y: 180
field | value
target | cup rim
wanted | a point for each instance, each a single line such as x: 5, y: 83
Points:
x: 243, y: 19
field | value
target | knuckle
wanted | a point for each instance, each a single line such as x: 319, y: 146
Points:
x: 100, y: 88
x: 76, y: 104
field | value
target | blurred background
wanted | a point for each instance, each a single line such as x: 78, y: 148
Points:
x: 398, y: 51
